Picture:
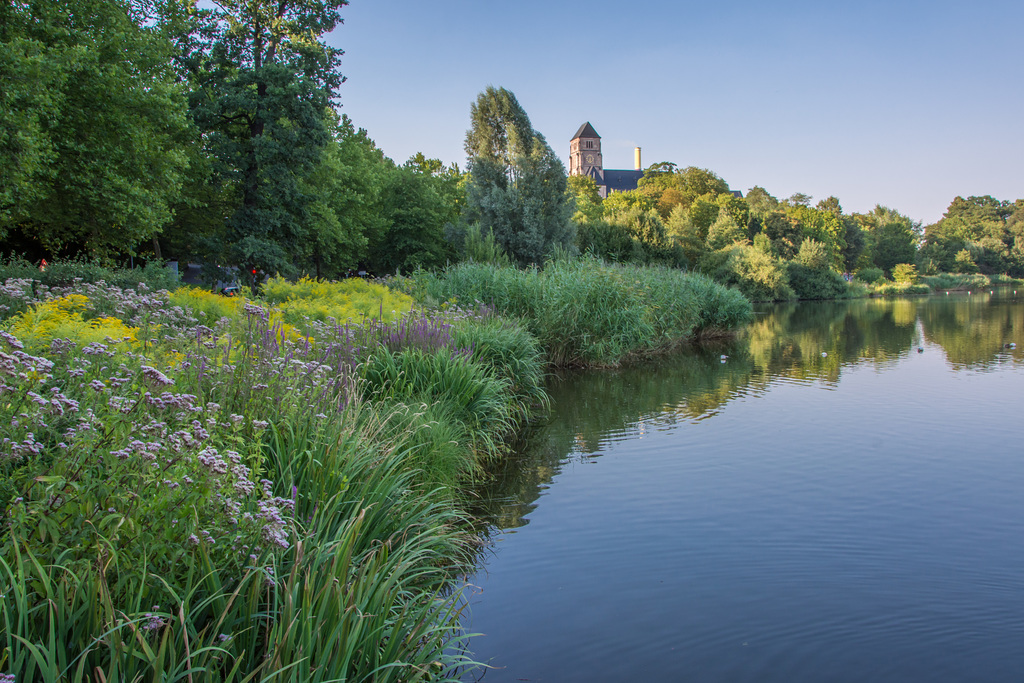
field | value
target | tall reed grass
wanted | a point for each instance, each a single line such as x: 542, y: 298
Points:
x: 586, y: 312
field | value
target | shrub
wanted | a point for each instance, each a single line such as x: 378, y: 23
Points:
x: 760, y: 276
x: 153, y: 276
x: 905, y: 273
x: 812, y: 283
x: 870, y: 275
x: 963, y: 262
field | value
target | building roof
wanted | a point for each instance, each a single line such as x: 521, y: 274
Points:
x: 585, y: 131
x: 620, y: 181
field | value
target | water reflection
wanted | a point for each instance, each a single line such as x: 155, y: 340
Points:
x: 807, y: 342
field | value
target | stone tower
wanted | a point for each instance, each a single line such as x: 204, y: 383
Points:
x: 585, y: 154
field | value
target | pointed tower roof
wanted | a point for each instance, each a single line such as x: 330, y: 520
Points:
x: 585, y: 131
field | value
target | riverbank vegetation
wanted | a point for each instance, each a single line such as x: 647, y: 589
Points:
x: 585, y: 312
x: 239, y: 497
x: 256, y: 488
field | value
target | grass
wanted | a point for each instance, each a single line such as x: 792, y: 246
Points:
x: 586, y: 312
x: 956, y: 281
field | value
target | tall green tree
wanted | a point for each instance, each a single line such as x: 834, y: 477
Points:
x: 93, y: 126
x: 587, y: 199
x: 262, y: 78
x: 892, y: 238
x: 517, y: 186
x: 988, y: 229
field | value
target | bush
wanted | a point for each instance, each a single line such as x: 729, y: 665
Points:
x: 905, y: 273
x: 816, y: 283
x: 759, y: 276
x: 153, y: 276
x: 870, y: 275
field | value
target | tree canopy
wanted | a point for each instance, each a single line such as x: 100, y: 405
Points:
x: 517, y: 186
x: 93, y: 127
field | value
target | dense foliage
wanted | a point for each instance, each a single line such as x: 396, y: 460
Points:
x: 585, y: 312
x: 517, y: 184
x: 192, y: 484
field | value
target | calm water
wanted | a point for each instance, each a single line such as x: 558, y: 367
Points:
x: 781, y: 516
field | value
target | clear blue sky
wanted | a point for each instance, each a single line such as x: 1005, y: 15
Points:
x: 901, y: 103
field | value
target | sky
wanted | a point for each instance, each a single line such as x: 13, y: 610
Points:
x: 901, y: 103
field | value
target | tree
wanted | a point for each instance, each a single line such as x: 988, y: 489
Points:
x: 93, y: 130
x: 892, y: 237
x: 855, y: 241
x: 415, y: 213
x: 724, y: 232
x: 583, y: 191
x: 681, y: 230
x: 669, y: 187
x: 798, y: 199
x: 760, y: 201
x: 736, y: 207
x: 262, y: 79
x: 831, y: 204
x: 989, y: 229
x: 703, y: 212
x: 517, y: 186
x: 823, y: 226
x: 346, y: 211
x: 784, y: 232
x: 620, y: 201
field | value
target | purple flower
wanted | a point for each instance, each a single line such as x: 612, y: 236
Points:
x: 155, y: 376
x: 153, y: 623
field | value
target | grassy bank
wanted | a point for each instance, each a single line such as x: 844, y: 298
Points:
x: 586, y: 312
x: 967, y: 281
x: 243, y: 490
x: 231, y: 490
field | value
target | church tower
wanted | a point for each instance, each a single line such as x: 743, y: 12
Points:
x: 585, y: 154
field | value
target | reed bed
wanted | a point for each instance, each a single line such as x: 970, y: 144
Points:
x: 586, y: 312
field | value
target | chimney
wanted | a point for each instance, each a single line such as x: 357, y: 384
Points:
x: 636, y: 158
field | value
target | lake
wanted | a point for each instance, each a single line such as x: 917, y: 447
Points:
x: 841, y: 498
